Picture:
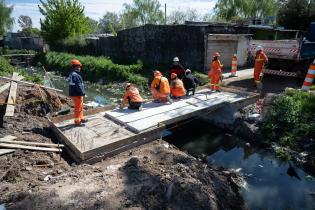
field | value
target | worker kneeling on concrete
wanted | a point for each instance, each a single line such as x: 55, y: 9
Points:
x: 76, y: 91
x: 190, y: 82
x: 215, y: 73
x: 133, y: 97
x: 260, y: 61
x: 160, y: 88
x: 177, y: 87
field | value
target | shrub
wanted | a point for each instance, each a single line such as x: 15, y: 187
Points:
x: 95, y: 68
x: 7, y: 69
x: 292, y: 118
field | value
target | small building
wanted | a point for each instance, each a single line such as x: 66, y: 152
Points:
x: 227, y: 45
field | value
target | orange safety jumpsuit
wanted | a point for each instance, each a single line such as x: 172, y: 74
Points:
x: 78, y: 109
x: 215, y: 74
x: 177, y: 88
x: 131, y: 95
x: 160, y: 88
x: 260, y: 60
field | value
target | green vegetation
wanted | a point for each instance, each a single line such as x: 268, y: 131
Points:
x: 296, y: 14
x: 5, y: 51
x: 232, y: 10
x: 203, y: 78
x: 292, y: 119
x: 282, y: 154
x: 6, y: 21
x: 6, y: 69
x: 96, y: 68
x: 63, y: 19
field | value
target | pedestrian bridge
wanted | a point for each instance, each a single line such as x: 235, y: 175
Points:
x: 112, y: 130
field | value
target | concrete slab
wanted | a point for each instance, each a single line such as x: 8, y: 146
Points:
x: 155, y: 114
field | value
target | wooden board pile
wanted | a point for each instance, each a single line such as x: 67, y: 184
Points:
x: 8, y: 144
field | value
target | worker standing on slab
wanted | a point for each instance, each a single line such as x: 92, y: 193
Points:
x: 190, y: 82
x: 160, y: 88
x: 234, y: 66
x: 177, y: 87
x: 133, y: 97
x: 76, y: 91
x: 176, y: 68
x: 215, y: 73
x: 260, y: 61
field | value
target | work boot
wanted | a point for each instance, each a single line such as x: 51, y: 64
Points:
x: 140, y: 108
x: 84, y: 121
x: 79, y: 125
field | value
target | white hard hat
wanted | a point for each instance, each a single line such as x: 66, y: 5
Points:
x: 188, y: 71
x: 176, y: 59
x: 259, y: 48
x: 234, y: 54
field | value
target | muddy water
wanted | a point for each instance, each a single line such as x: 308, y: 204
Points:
x: 269, y: 183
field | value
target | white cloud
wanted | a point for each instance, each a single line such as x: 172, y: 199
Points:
x: 97, y: 8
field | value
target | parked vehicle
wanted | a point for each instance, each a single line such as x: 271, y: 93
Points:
x: 288, y: 57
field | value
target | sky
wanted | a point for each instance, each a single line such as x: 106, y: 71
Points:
x: 97, y: 8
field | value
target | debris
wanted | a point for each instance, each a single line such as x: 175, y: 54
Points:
x: 12, y: 95
x: 166, y: 145
x: 48, y: 177
x: 6, y: 151
x: 261, y: 166
x: 113, y: 167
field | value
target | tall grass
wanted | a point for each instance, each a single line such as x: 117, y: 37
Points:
x: 95, y: 68
x: 6, y: 69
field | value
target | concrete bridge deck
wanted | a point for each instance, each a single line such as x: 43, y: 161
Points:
x: 110, y: 131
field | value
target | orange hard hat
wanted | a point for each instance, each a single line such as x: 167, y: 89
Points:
x: 157, y: 73
x: 76, y: 62
x: 216, y: 54
x: 173, y: 75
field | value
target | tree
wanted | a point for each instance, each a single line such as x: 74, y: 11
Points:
x: 25, y: 21
x: 229, y: 10
x: 6, y: 21
x: 180, y: 16
x: 63, y: 19
x: 296, y: 14
x: 110, y: 21
x: 94, y: 25
x: 142, y: 12
x: 33, y: 32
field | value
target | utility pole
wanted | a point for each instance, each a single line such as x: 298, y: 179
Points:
x: 165, y: 14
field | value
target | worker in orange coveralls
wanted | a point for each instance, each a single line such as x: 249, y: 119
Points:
x: 133, y: 97
x: 76, y: 91
x: 260, y: 61
x: 215, y: 72
x: 177, y: 87
x: 160, y: 88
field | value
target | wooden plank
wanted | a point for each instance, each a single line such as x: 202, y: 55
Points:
x: 86, y: 113
x: 6, y: 151
x: 16, y: 146
x: 31, y: 143
x: 4, y: 87
x: 12, y: 97
x: 8, y: 138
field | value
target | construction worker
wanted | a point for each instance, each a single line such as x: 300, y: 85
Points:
x: 190, y: 82
x: 133, y: 97
x: 176, y: 68
x: 76, y: 91
x: 177, y: 87
x: 260, y: 61
x: 215, y: 73
x: 234, y: 66
x: 160, y: 88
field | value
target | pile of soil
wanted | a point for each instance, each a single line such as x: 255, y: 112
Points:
x: 152, y: 176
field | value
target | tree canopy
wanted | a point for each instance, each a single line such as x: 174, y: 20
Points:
x: 296, y: 14
x: 180, y: 16
x: 25, y: 21
x: 109, y: 22
x: 242, y: 9
x: 142, y: 12
x: 6, y: 21
x: 63, y: 19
